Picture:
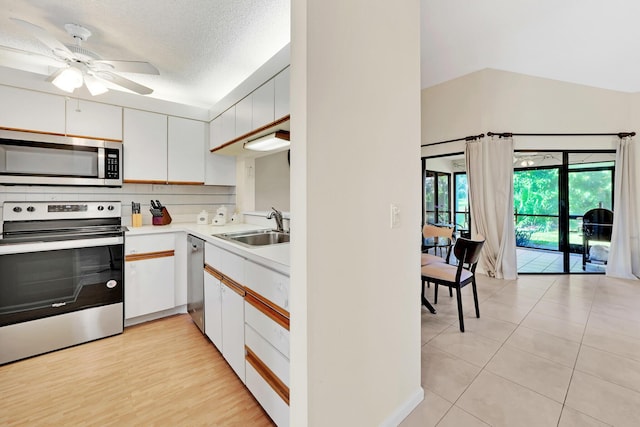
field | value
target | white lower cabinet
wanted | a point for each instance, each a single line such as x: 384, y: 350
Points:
x: 267, y: 356
x: 213, y: 308
x: 246, y: 317
x: 273, y: 405
x: 149, y: 274
x: 224, y: 305
x: 233, y: 329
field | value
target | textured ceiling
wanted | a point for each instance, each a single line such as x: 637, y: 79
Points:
x: 203, y: 48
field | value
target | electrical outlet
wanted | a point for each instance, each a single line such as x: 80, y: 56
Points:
x: 395, y: 216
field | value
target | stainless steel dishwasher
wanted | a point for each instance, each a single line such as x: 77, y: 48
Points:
x: 195, y: 280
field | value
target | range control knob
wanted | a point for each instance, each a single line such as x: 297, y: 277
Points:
x: 17, y: 209
x: 100, y: 208
x: 30, y: 209
x: 110, y: 207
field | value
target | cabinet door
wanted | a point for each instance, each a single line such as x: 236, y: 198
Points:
x: 213, y: 310
x: 273, y: 404
x: 233, y: 330
x: 148, y: 286
x: 215, y: 133
x: 145, y: 146
x: 263, y: 105
x: 29, y: 110
x: 268, y: 283
x: 228, y: 125
x: 243, y: 116
x: 219, y: 169
x: 282, y: 94
x: 94, y: 120
x: 186, y: 139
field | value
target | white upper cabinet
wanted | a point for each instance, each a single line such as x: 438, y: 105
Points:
x: 282, y: 94
x: 145, y: 146
x: 30, y: 110
x: 215, y: 132
x: 218, y: 169
x: 243, y: 116
x: 263, y: 105
x: 186, y: 140
x: 228, y: 125
x: 94, y: 120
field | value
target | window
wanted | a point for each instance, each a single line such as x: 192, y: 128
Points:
x: 437, y: 190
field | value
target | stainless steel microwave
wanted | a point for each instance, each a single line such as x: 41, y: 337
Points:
x: 41, y: 159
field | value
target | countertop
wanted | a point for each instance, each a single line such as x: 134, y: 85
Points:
x: 275, y: 257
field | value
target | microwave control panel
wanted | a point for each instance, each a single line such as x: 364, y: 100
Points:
x: 112, y: 164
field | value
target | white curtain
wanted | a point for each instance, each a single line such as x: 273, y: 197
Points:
x: 624, y: 253
x: 490, y: 180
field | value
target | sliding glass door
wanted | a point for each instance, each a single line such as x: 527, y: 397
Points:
x: 552, y: 192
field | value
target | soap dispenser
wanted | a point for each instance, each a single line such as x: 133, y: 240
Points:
x: 203, y: 217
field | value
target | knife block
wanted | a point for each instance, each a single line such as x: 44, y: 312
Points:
x: 136, y: 220
x: 162, y: 220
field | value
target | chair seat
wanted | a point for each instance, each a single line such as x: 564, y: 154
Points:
x: 445, y: 272
x: 428, y: 259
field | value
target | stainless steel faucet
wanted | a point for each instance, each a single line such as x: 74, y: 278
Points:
x: 278, y: 217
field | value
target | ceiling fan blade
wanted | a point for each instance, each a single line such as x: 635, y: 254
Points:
x: 28, y: 61
x: 139, y: 67
x: 125, y: 83
x: 47, y: 39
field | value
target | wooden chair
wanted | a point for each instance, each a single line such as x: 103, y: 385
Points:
x: 467, y: 252
x: 433, y: 232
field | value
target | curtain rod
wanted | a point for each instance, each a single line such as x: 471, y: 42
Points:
x: 510, y: 134
x: 466, y: 138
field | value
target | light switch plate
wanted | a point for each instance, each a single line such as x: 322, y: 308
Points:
x: 395, y: 216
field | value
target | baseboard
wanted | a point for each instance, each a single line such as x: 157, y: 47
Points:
x: 404, y: 410
x: 154, y: 316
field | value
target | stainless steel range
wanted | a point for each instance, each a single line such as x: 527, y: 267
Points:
x: 61, y: 275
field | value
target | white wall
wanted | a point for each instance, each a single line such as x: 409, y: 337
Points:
x: 272, y: 182
x: 355, y: 128
x: 501, y: 101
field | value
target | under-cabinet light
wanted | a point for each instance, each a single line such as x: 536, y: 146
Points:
x: 272, y: 141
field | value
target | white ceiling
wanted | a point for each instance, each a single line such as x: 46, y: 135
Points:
x: 205, y: 48
x: 590, y: 42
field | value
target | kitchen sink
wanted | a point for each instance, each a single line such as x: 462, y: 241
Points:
x: 256, y: 238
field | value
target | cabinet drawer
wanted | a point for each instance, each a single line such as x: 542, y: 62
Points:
x: 267, y: 353
x: 272, y: 403
x: 275, y: 334
x: 270, y: 284
x: 149, y: 243
x: 229, y: 264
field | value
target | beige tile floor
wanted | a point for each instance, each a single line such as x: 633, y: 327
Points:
x: 546, y: 351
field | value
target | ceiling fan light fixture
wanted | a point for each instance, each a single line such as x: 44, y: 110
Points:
x: 94, y: 85
x: 69, y: 79
x: 272, y: 141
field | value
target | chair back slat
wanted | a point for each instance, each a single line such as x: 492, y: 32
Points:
x: 434, y: 231
x: 467, y: 251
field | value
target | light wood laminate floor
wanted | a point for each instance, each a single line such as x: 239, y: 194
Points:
x: 161, y: 373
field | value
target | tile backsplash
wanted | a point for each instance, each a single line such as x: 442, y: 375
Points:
x: 183, y: 202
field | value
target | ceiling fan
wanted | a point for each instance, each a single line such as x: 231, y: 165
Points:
x: 78, y: 65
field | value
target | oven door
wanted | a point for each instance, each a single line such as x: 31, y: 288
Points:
x: 42, y: 279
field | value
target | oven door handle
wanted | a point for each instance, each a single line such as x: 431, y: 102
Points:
x: 21, y: 248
